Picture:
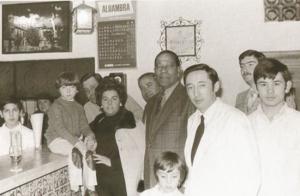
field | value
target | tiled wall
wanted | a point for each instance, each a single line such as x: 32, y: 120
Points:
x: 282, y: 10
x: 53, y: 184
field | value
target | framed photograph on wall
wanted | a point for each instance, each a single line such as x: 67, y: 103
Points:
x: 36, y: 27
x: 181, y: 39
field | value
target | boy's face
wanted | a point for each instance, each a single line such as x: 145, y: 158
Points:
x: 68, y: 92
x: 272, y: 91
x: 44, y: 105
x: 168, y: 181
x: 11, y: 114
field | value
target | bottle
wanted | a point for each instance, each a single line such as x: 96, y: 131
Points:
x: 15, y: 150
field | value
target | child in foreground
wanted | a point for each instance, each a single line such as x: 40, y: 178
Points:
x: 170, y: 172
x: 10, y: 111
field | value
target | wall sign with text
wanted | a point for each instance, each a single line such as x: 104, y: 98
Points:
x: 116, y: 44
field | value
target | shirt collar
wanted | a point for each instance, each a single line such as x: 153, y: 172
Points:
x: 18, y: 127
x: 210, y: 110
x: 282, y: 112
x: 168, y: 91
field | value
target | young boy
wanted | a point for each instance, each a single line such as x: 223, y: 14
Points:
x: 170, y: 173
x: 66, y: 126
x: 277, y: 130
x: 67, y: 121
x: 10, y: 111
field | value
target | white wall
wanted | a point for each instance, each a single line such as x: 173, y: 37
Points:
x: 228, y: 28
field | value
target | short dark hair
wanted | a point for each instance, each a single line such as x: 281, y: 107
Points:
x: 147, y: 74
x: 67, y: 79
x: 168, y: 161
x: 87, y: 76
x: 12, y: 100
x: 212, y: 74
x: 258, y: 55
x: 171, y: 53
x: 269, y: 68
x: 108, y: 83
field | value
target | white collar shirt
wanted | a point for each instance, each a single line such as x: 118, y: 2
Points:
x: 27, y: 138
x: 226, y: 161
x: 279, y: 148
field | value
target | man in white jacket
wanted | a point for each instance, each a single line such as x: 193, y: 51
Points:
x: 225, y: 161
x: 277, y: 129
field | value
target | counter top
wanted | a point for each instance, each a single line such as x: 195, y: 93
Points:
x: 35, y: 163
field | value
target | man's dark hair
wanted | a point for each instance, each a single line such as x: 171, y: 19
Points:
x: 258, y: 55
x: 212, y: 74
x: 171, y: 53
x: 269, y: 68
x: 12, y: 100
x: 87, y: 76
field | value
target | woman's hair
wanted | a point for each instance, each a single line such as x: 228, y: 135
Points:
x: 168, y: 161
x: 67, y: 79
x: 12, y: 100
x: 109, y: 83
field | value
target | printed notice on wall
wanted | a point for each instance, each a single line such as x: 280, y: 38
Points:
x: 116, y: 44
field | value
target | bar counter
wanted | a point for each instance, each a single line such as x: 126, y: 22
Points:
x: 43, y: 173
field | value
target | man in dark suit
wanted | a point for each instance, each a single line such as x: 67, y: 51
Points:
x: 167, y: 113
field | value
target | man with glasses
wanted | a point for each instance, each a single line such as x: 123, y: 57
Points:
x: 166, y: 113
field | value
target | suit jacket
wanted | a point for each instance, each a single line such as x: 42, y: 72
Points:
x: 241, y: 101
x: 226, y: 161
x: 166, y: 129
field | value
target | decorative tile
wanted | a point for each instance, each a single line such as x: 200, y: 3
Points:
x: 52, y: 184
x: 282, y: 10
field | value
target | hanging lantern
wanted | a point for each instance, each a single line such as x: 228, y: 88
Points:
x: 83, y: 19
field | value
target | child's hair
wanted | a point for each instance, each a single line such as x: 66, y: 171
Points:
x: 67, y: 79
x: 168, y: 161
x: 12, y: 100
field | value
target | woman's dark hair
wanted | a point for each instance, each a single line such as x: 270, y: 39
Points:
x: 109, y: 83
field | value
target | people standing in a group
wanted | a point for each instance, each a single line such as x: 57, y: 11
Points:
x: 89, y: 83
x: 121, y: 142
x: 277, y: 130
x: 166, y: 113
x: 220, y: 150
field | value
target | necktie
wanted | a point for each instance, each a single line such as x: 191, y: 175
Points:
x: 159, y: 102
x: 199, y: 133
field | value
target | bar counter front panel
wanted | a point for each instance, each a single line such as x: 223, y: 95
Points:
x: 44, y: 173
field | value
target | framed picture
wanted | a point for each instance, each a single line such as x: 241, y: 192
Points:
x: 182, y: 37
x: 36, y: 27
x: 181, y: 40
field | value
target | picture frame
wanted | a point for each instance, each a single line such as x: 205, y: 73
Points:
x: 36, y: 27
x: 181, y: 39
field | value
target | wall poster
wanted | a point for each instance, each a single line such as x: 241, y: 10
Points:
x: 116, y: 44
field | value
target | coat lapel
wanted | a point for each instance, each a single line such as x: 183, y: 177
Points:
x: 165, y: 112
